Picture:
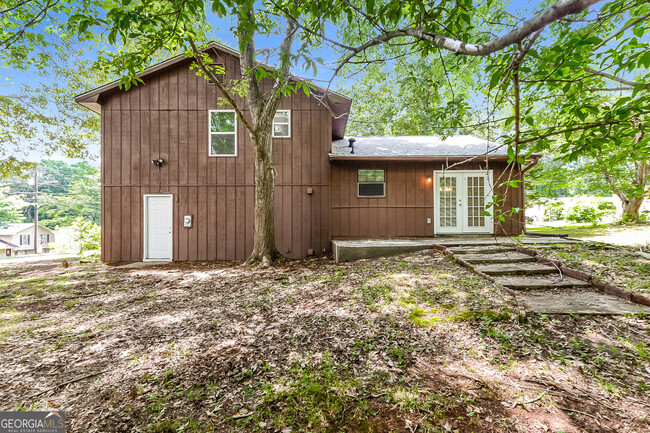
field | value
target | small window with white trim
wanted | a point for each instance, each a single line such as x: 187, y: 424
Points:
x: 370, y: 183
x: 223, y: 133
x: 282, y: 124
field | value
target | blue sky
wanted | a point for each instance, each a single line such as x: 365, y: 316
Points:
x: 11, y: 79
x: 223, y: 34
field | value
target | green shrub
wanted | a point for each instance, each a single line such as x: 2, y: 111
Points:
x: 554, y: 211
x: 87, y: 234
x: 607, y: 206
x: 590, y: 213
x: 583, y: 214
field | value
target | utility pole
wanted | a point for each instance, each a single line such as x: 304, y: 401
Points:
x: 36, y: 209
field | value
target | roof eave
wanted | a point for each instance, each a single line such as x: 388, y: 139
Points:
x: 97, y: 92
x: 335, y: 157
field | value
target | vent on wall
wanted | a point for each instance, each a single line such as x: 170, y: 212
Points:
x: 371, y: 189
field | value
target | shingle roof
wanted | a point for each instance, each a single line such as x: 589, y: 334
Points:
x: 5, y: 244
x: 14, y: 228
x: 418, y: 146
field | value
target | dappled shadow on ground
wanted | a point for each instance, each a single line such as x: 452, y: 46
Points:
x: 411, y: 343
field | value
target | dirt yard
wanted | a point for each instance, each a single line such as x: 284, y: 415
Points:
x: 403, y: 344
x: 621, y: 266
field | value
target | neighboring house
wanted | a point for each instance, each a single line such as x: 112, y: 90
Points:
x: 198, y: 203
x: 18, y: 239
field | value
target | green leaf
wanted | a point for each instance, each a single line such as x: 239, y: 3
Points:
x: 638, y: 88
x: 494, y: 80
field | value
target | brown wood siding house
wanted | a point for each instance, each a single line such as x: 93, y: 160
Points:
x: 316, y: 197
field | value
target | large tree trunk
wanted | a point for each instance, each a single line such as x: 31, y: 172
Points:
x: 631, y: 209
x: 264, y: 248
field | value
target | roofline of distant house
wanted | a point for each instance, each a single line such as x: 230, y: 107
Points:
x: 90, y: 99
x: 9, y: 244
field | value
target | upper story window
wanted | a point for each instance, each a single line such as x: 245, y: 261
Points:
x: 24, y: 239
x: 45, y: 238
x: 370, y: 183
x: 223, y: 133
x: 282, y: 123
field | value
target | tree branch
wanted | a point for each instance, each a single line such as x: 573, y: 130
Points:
x: 553, y: 13
x: 221, y: 87
x: 285, y: 66
x: 615, y: 78
x: 632, y: 24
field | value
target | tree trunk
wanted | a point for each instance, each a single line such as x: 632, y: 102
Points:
x: 264, y: 249
x: 631, y: 209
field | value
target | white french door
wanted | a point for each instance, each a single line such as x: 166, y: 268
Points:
x: 158, y: 219
x: 460, y: 199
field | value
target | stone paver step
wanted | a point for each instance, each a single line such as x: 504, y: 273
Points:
x: 505, y: 257
x: 525, y: 268
x: 576, y: 302
x: 472, y: 242
x: 540, y: 282
x: 546, y: 241
x: 481, y: 249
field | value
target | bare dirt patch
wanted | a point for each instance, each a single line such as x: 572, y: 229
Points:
x: 410, y: 343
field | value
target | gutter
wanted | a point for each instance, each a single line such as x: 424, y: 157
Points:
x: 532, y: 164
x: 469, y: 158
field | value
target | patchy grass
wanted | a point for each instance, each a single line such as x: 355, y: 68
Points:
x: 403, y: 344
x: 637, y: 235
x: 619, y: 266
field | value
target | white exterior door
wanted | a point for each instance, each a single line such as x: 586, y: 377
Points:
x: 460, y: 199
x: 158, y: 217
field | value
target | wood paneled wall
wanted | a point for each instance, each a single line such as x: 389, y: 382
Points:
x: 408, y: 202
x: 167, y: 117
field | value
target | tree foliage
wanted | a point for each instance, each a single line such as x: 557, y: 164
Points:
x: 41, y: 119
x: 67, y: 192
x: 577, y: 88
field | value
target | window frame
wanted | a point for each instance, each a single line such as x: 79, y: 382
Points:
x: 211, y: 133
x: 288, y: 123
x: 359, y: 183
x: 21, y: 240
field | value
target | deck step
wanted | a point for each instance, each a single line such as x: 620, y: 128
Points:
x: 505, y: 257
x: 488, y: 249
x: 525, y: 268
x: 540, y: 282
x: 472, y: 241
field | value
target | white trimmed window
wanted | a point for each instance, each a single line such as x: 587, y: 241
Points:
x: 24, y: 239
x: 370, y: 183
x: 223, y: 133
x: 282, y: 124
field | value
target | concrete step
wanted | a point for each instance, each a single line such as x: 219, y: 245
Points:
x: 526, y: 268
x: 488, y: 249
x: 505, y: 257
x: 540, y: 282
x: 472, y: 241
x: 350, y: 250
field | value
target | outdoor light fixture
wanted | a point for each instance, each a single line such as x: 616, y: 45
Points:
x: 157, y: 162
x: 428, y: 180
